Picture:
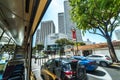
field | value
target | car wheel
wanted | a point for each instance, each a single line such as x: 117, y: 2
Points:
x: 104, y: 64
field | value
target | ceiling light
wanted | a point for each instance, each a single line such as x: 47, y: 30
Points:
x: 13, y: 16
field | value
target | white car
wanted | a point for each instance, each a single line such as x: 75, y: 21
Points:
x: 103, y: 60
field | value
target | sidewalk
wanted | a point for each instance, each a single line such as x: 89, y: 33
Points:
x: 36, y: 69
x: 36, y: 66
x: 117, y: 65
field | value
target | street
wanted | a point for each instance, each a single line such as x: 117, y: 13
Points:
x: 104, y: 73
x: 114, y: 73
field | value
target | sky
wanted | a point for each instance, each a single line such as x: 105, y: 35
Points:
x: 55, y: 7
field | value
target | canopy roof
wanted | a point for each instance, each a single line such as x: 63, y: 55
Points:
x: 94, y: 46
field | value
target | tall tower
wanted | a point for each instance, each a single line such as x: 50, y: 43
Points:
x: 69, y: 24
x: 37, y: 37
x: 47, y: 27
x: 61, y: 28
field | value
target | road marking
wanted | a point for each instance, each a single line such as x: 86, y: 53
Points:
x: 105, y: 77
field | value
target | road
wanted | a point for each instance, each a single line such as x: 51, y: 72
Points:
x: 102, y: 73
x: 114, y: 72
x: 105, y: 73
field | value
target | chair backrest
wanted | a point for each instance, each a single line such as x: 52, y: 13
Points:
x: 8, y: 71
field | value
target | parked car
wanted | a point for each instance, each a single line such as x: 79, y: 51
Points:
x: 90, y: 65
x: 103, y: 60
x: 63, y: 69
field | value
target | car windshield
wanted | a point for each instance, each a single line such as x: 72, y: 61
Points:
x: 66, y: 67
x: 83, y: 58
x: 70, y: 66
x: 73, y: 65
x: 107, y: 56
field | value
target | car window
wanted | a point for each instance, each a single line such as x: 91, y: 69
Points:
x: 95, y: 56
x: 57, y: 63
x: 73, y: 65
x: 77, y: 58
x: 66, y: 67
x: 107, y: 56
x: 98, y: 56
x: 90, y: 55
x: 50, y: 62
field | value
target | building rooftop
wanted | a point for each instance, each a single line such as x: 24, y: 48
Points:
x: 95, y: 46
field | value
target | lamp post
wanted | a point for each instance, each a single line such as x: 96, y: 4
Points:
x: 74, y: 37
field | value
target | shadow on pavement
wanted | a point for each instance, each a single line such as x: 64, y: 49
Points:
x: 97, y: 73
x: 114, y: 67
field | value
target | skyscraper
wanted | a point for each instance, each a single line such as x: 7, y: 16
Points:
x: 61, y: 28
x: 47, y: 27
x: 69, y: 24
x: 37, y: 37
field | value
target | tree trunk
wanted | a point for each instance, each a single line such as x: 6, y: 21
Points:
x: 111, y: 50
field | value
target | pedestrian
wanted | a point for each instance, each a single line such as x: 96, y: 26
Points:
x: 35, y: 58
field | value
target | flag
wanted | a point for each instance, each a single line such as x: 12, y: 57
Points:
x: 74, y: 34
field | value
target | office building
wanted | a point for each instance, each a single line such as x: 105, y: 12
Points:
x: 69, y: 24
x: 47, y: 27
x: 61, y: 28
x: 37, y: 37
x: 51, y: 38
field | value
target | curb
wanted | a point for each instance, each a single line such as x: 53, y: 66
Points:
x: 117, y: 65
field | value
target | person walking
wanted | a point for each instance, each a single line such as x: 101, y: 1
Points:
x: 35, y: 58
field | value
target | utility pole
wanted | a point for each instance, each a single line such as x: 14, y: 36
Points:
x: 74, y: 37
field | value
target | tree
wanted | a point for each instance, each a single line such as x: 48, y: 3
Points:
x: 39, y: 47
x: 99, y: 17
x: 64, y: 41
x: 33, y: 50
x: 9, y: 48
x: 80, y: 43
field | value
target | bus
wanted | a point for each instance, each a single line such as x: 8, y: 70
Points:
x: 26, y: 57
x: 18, y: 21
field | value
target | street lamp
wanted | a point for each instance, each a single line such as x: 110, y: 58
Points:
x: 74, y: 37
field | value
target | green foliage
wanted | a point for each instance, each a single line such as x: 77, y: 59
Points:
x: 9, y: 47
x: 48, y: 47
x: 64, y: 41
x: 99, y: 17
x: 34, y: 50
x: 102, y: 15
x: 80, y: 43
x: 39, y: 47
